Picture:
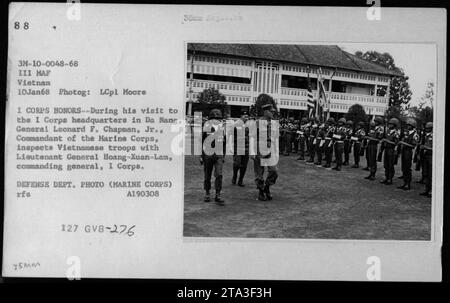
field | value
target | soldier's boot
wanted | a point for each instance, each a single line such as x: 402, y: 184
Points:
x: 262, y: 196
x: 345, y: 163
x: 300, y: 158
x: 242, y: 171
x: 425, y: 193
x: 267, y: 192
x: 207, y: 197
x: 235, y: 172
x: 337, y: 168
x: 370, y: 177
x: 356, y: 165
x: 218, y: 199
x: 401, y: 177
x: 407, y: 186
x: 384, y: 181
x: 388, y: 182
x: 366, y: 168
x: 402, y: 186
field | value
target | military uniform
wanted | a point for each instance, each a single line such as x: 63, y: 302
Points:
x: 267, y: 105
x: 328, y: 145
x: 301, y: 137
x: 390, y: 141
x: 312, y: 142
x: 213, y: 161
x: 348, y: 142
x: 427, y: 148
x: 241, y: 153
x: 289, y: 133
x: 373, y: 136
x: 320, y: 140
x: 339, y: 137
x: 407, y: 144
x: 357, y: 139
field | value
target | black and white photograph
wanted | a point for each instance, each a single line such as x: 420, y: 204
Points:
x: 354, y: 141
x: 224, y: 142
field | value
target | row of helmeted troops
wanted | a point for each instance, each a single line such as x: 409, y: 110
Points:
x: 317, y: 143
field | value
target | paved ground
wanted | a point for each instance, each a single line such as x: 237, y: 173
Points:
x: 309, y: 202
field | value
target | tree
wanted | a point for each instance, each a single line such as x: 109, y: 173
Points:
x: 356, y: 113
x: 423, y: 113
x: 399, y: 91
x: 211, y: 98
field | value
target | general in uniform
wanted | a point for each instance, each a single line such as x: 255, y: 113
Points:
x: 212, y: 160
x: 266, y: 108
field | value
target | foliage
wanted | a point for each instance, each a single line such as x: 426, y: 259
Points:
x: 399, y: 90
x: 356, y: 113
x: 211, y: 98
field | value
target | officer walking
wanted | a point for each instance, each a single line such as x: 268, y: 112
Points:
x: 407, y: 144
x: 266, y: 109
x: 212, y: 158
x: 357, y: 139
x: 390, y: 140
x: 427, y: 147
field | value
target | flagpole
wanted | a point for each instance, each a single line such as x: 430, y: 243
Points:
x: 330, y: 84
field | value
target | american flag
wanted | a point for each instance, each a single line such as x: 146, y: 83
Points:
x: 310, y: 100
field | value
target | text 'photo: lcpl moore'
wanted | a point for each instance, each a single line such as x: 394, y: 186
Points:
x: 309, y: 141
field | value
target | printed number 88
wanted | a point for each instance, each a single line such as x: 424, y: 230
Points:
x: 26, y: 25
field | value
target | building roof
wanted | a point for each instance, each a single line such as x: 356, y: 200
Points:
x: 319, y: 55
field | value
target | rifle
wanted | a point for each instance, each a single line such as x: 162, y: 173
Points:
x: 382, y: 147
x: 363, y: 147
x: 418, y: 153
x: 398, y: 150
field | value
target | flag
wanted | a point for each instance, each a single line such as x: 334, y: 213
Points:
x: 321, y: 96
x: 310, y: 100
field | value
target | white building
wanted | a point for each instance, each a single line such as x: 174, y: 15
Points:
x: 243, y: 71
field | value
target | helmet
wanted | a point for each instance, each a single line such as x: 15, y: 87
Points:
x: 342, y: 120
x: 372, y: 123
x: 331, y: 121
x: 349, y: 122
x: 264, y: 101
x: 304, y: 120
x: 394, y: 121
x: 429, y: 125
x: 362, y: 124
x: 411, y: 121
x: 215, y: 114
x: 378, y: 120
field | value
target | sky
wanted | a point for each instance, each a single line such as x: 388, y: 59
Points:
x: 418, y: 60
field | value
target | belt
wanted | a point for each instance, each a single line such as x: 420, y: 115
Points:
x: 340, y: 141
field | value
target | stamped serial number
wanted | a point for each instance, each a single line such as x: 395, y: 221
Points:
x: 121, y: 229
